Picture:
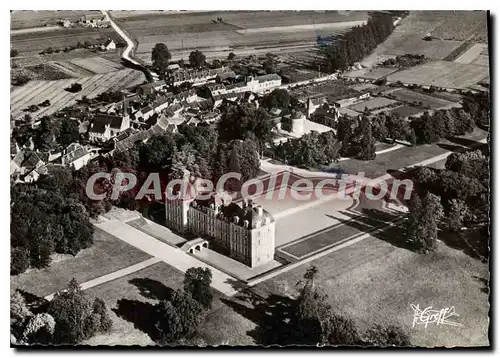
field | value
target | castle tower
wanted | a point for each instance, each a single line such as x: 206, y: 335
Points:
x: 298, y: 123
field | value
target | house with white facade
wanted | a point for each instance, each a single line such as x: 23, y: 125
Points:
x: 75, y: 156
x: 106, y: 126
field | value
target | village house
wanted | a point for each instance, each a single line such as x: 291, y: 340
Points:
x: 94, y: 20
x: 108, y: 45
x: 195, y: 77
x: 150, y: 88
x: 106, y: 126
x: 75, y: 156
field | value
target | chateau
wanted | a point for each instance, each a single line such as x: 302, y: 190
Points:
x: 245, y: 232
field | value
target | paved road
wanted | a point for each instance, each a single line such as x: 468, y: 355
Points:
x: 114, y: 275
x: 130, y: 43
x: 166, y: 253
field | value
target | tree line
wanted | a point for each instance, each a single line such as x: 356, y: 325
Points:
x: 358, y: 42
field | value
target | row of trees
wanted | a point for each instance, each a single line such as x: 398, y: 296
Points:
x: 161, y: 56
x: 70, y: 318
x: 359, y: 42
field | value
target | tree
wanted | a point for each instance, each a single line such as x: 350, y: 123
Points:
x: 231, y: 56
x: 366, y: 147
x: 75, y: 87
x: 40, y: 329
x: 19, y: 314
x: 424, y: 217
x: 70, y: 310
x: 456, y: 214
x: 160, y: 57
x: 19, y: 260
x: 278, y: 98
x: 196, y: 59
x: 99, y: 320
x: 68, y: 132
x: 177, y: 318
x: 197, y: 282
x: 380, y: 336
x: 236, y: 120
x: 14, y: 53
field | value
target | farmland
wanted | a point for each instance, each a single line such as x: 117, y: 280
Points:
x: 408, y: 96
x: 449, y: 30
x: 373, y: 103
x: 441, y: 74
x: 38, y: 91
x: 36, y: 42
x: 185, y: 31
x: 372, y: 73
x: 477, y: 55
x: 22, y: 19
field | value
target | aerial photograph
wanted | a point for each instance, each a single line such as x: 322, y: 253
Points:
x: 250, y: 178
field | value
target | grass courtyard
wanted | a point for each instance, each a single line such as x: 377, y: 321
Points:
x: 106, y: 255
x: 375, y: 281
x: 131, y: 299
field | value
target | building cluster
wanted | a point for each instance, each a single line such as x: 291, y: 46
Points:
x: 90, y: 20
x: 243, y: 231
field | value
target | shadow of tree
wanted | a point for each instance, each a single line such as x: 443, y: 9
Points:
x: 36, y: 304
x: 237, y: 284
x: 141, y: 314
x: 472, y: 242
x: 152, y: 289
x: 452, y: 148
x: 485, y: 282
x: 373, y: 219
x: 465, y: 142
x: 271, y: 315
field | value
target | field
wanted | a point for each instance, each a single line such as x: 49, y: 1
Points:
x: 406, y: 111
x: 441, y: 74
x: 106, y: 255
x: 36, y: 42
x: 460, y: 25
x: 371, y: 73
x: 96, y: 64
x: 405, y: 95
x: 40, y: 72
x: 403, y: 157
x: 372, y: 103
x: 476, y: 55
x: 185, y: 31
x: 368, y: 281
x: 131, y: 299
x: 449, y: 28
x: 35, y: 92
x: 22, y: 19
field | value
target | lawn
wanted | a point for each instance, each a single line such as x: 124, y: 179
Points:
x: 407, y: 156
x: 106, y: 255
x: 374, y: 281
x: 441, y: 74
x: 408, y: 96
x: 131, y: 299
